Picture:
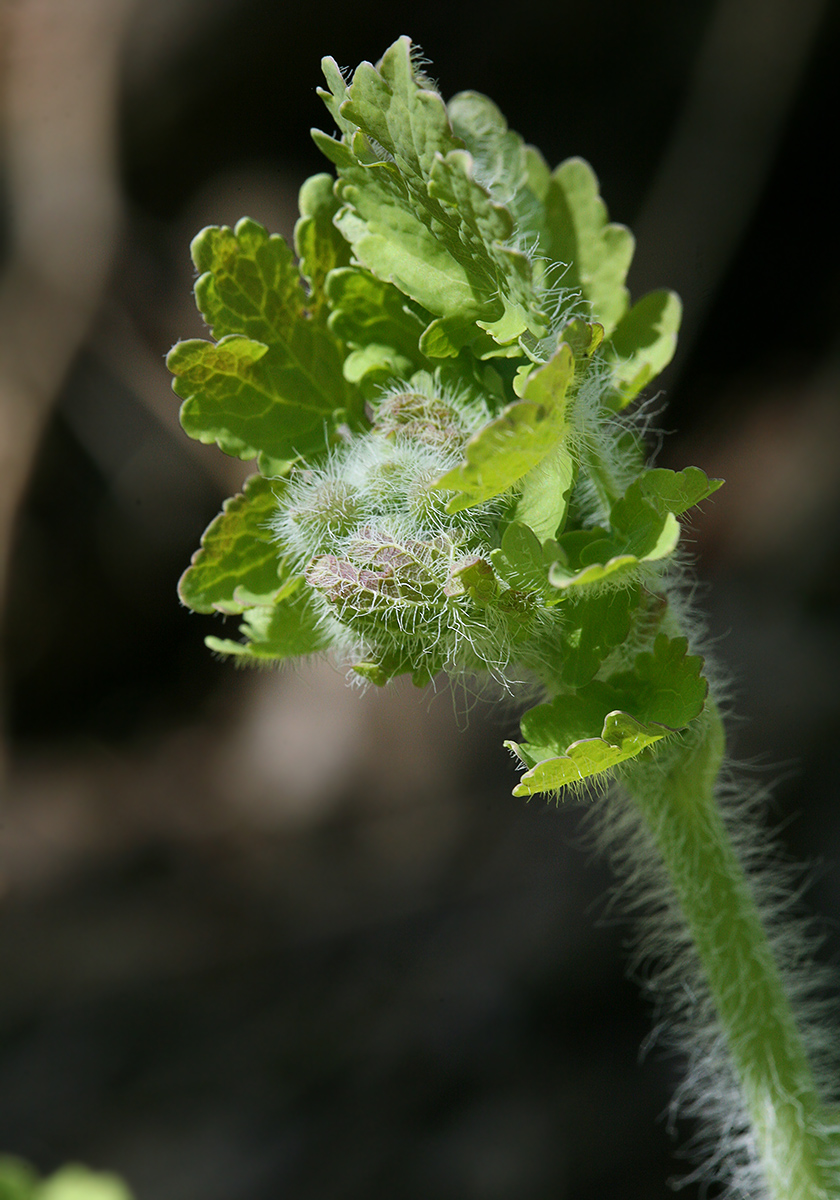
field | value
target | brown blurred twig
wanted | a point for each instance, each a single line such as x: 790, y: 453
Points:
x: 60, y: 74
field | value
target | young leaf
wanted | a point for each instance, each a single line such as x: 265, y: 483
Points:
x: 498, y: 152
x: 250, y: 403
x: 273, y: 384
x: 286, y: 629
x: 521, y: 563
x: 643, y: 343
x: 414, y: 212
x: 318, y: 244
x: 581, y: 734
x: 506, y: 449
x: 367, y: 312
x: 644, y: 529
x: 577, y: 233
x: 239, y: 563
x: 677, y: 491
x: 592, y: 627
x: 545, y: 493
x: 248, y: 282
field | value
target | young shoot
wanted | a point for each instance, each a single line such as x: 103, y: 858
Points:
x: 438, y: 385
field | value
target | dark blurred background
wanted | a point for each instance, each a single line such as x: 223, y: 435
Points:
x: 261, y: 936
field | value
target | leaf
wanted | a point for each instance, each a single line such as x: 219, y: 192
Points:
x: 577, y: 232
x: 238, y: 395
x: 239, y: 563
x: 376, y: 364
x: 369, y: 312
x: 248, y: 282
x: 498, y: 152
x: 520, y: 562
x: 622, y: 738
x: 545, y: 493
x: 382, y: 670
x: 582, y: 734
x: 506, y: 449
x: 643, y: 342
x: 414, y: 212
x: 286, y: 629
x: 640, y: 518
x: 592, y: 627
x: 273, y: 384
x: 677, y: 491
x: 78, y: 1183
x: 318, y: 244
x: 644, y: 529
x: 614, y: 570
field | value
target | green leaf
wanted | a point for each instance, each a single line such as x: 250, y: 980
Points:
x: 334, y: 98
x: 273, y: 384
x: 614, y: 570
x: 640, y: 519
x: 275, y: 632
x: 78, y: 1183
x: 677, y: 491
x: 369, y: 312
x: 512, y: 444
x: 18, y: 1180
x: 248, y: 281
x: 644, y: 529
x: 318, y: 244
x: 239, y: 563
x: 253, y: 402
x: 497, y: 151
x: 581, y: 734
x: 382, y: 670
x: 643, y: 342
x: 578, y: 233
x: 376, y: 364
x: 520, y: 562
x: 622, y: 738
x: 414, y: 212
x: 545, y: 493
x: 592, y: 627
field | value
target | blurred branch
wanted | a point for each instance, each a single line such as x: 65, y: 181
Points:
x: 60, y: 80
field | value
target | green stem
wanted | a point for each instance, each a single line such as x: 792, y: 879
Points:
x: 676, y: 797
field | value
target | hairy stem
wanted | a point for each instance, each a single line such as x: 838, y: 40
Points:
x: 676, y: 798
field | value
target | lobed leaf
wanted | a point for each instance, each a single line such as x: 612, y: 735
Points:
x: 254, y: 400
x: 592, y: 627
x: 318, y: 244
x: 520, y: 561
x: 644, y: 529
x: 677, y: 491
x: 498, y: 153
x: 376, y: 320
x: 643, y: 343
x: 604, y: 723
x: 286, y: 629
x: 575, y: 230
x: 248, y: 282
x: 273, y: 384
x: 512, y: 444
x: 238, y: 564
x: 414, y: 212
